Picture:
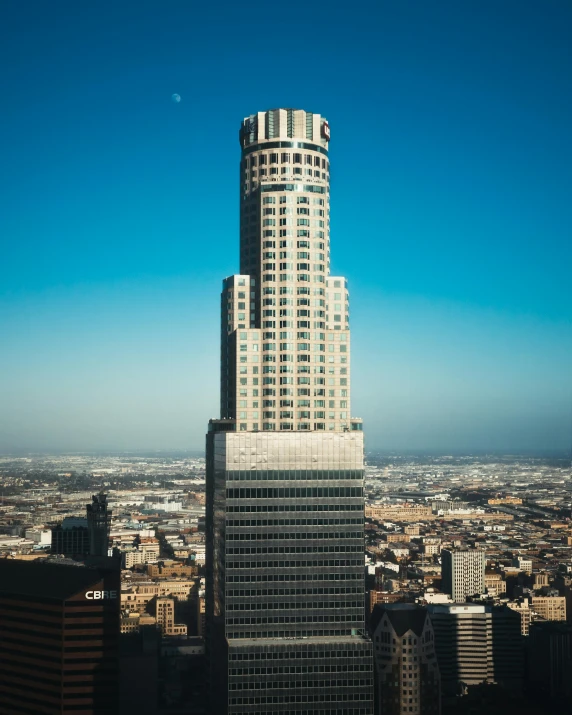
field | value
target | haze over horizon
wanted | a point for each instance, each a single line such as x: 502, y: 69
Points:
x: 120, y: 215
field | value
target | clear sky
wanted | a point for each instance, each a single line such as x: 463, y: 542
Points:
x: 451, y: 213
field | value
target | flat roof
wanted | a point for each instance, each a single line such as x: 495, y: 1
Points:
x: 41, y: 579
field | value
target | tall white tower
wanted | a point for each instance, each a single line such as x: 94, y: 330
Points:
x: 286, y: 343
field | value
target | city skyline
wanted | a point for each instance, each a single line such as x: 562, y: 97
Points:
x: 108, y: 307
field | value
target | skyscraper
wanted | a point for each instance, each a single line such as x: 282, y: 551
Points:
x: 463, y: 573
x: 285, y: 508
x: 476, y: 644
x: 98, y: 525
x: 59, y: 635
x: 408, y: 679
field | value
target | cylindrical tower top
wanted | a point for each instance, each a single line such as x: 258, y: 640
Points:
x: 284, y: 124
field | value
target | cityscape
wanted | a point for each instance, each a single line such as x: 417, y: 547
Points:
x: 292, y: 440
x: 424, y: 516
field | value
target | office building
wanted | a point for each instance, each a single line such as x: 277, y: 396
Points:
x: 477, y: 644
x: 98, y: 525
x: 165, y: 615
x: 71, y: 537
x: 84, y: 536
x: 59, y: 631
x: 549, y: 671
x: 407, y: 674
x: 285, y: 506
x: 549, y: 608
x: 463, y: 573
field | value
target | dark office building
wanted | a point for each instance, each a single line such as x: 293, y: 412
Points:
x: 71, y: 537
x: 550, y: 661
x: 407, y: 674
x: 59, y: 631
x: 98, y: 525
x: 87, y: 536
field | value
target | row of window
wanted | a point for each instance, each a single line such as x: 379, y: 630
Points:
x: 295, y: 564
x: 295, y: 605
x: 289, y: 290
x: 285, y: 669
x: 271, y: 391
x: 303, y: 654
x: 290, y: 278
x: 252, y: 592
x: 273, y: 578
x: 292, y: 492
x: 301, y: 255
x: 266, y: 200
x: 314, y: 222
x: 298, y: 188
x: 293, y: 507
x: 267, y: 620
x: 268, y: 700
x: 285, y: 158
x: 318, y: 347
x: 290, y: 244
x: 292, y: 522
x: 290, y: 403
x: 280, y: 685
x: 247, y: 151
x: 287, y: 210
x: 343, y: 381
x: 286, y: 336
x: 253, y: 550
x: 249, y: 239
x: 290, y: 415
x: 284, y: 171
x: 289, y: 426
x: 243, y: 370
x: 294, y: 535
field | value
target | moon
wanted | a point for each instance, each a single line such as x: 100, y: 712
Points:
x: 176, y: 98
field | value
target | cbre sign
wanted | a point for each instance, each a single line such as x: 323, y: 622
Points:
x: 100, y: 595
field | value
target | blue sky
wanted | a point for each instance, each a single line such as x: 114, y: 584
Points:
x: 451, y: 213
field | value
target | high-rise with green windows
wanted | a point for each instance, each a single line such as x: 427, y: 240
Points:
x: 285, y: 505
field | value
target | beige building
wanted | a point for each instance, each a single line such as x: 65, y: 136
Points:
x: 201, y: 615
x: 135, y: 597
x: 412, y: 529
x: 540, y: 580
x: 397, y: 538
x: 133, y: 622
x: 165, y: 616
x: 522, y: 607
x: 504, y: 500
x: 494, y: 584
x: 430, y: 548
x: 523, y: 564
x: 169, y: 569
x: 550, y: 608
x: 399, y: 512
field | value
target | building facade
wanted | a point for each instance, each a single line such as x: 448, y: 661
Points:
x: 463, y: 573
x: 59, y: 633
x: 285, y: 507
x: 549, y: 662
x: 407, y: 673
x: 477, y: 644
